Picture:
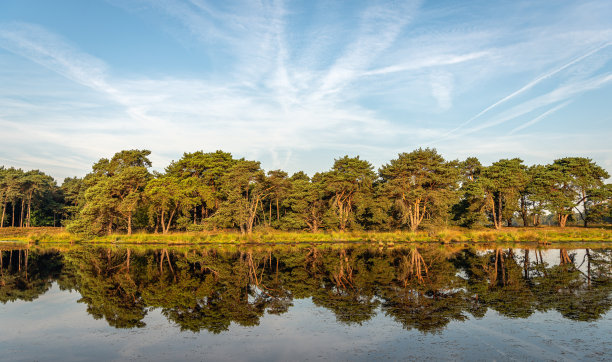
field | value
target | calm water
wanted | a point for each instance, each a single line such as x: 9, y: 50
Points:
x: 340, y: 302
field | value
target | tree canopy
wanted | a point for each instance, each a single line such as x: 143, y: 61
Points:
x: 214, y: 190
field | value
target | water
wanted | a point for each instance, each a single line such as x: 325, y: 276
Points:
x: 339, y: 302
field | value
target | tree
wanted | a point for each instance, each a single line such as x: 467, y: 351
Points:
x: 206, y: 171
x: 599, y: 204
x: 503, y: 182
x: 575, y: 178
x: 244, y: 189
x: 469, y: 210
x: 422, y: 183
x: 12, y: 190
x: 73, y: 190
x: 8, y: 187
x: 279, y: 184
x: 113, y: 192
x: 35, y: 183
x: 535, y: 196
x: 305, y: 202
x: 348, y: 183
x: 166, y: 196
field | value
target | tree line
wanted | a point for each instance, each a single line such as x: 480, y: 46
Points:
x: 214, y: 190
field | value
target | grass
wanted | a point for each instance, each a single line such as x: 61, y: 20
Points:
x: 447, y: 235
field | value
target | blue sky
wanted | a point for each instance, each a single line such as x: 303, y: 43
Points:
x: 296, y: 84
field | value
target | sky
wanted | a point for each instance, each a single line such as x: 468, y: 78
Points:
x: 296, y: 84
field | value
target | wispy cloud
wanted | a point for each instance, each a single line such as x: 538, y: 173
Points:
x: 51, y: 51
x: 192, y: 113
x: 559, y: 94
x: 442, y: 88
x: 527, y: 87
x: 429, y: 62
x: 284, y: 81
x: 379, y: 28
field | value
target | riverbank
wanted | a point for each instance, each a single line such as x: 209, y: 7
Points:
x: 510, y: 234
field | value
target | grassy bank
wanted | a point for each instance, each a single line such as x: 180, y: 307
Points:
x: 540, y: 235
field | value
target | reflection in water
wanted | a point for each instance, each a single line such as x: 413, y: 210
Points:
x: 209, y: 288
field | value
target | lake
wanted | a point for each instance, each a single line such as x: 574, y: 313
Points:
x: 305, y: 302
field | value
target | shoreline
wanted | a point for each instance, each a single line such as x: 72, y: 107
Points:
x: 540, y: 235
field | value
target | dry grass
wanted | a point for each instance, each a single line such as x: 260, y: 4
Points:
x: 447, y: 235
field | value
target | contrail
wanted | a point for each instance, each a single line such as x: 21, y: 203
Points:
x: 526, y: 87
x: 540, y: 117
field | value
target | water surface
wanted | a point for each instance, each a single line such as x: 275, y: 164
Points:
x: 337, y: 302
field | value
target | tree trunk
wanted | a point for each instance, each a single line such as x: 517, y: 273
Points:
x: 251, y: 215
x: 586, y: 211
x: 342, y: 220
x: 29, y: 209
x: 129, y: 230
x: 2, y: 220
x: 13, y: 214
x: 314, y: 227
x: 263, y: 212
x: 524, y: 212
x: 494, y: 213
x: 277, y: 211
x: 499, y: 212
x: 163, y: 222
x: 167, y: 227
x: 21, y: 212
x: 415, y: 214
x: 562, y: 220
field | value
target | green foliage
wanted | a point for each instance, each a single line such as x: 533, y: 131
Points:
x: 305, y: 203
x: 422, y: 184
x: 202, y: 191
x: 113, y: 193
x: 32, y: 196
x: 347, y: 186
x: 244, y: 188
x: 503, y: 182
x: 573, y: 179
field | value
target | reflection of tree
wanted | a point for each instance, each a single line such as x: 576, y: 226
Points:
x: 427, y: 292
x: 26, y: 274
x: 106, y: 286
x: 345, y: 285
x: 424, y: 288
x: 573, y: 293
x: 427, y: 312
x: 496, y: 280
